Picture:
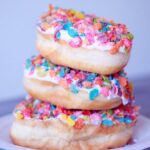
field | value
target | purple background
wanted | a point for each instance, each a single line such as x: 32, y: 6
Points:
x: 18, y: 34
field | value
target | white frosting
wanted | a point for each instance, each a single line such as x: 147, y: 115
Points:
x: 96, y: 45
x: 56, y: 81
x: 35, y: 76
x: 65, y: 36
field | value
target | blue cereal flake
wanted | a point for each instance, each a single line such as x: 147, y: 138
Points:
x: 46, y: 64
x: 73, y: 117
x: 72, y: 32
x: 28, y: 63
x: 58, y: 35
x: 67, y: 25
x: 74, y: 89
x: 127, y: 120
x: 110, y: 77
x: 32, y: 69
x: 82, y: 34
x: 53, y: 107
x: 93, y: 94
x: 116, y: 82
x: 104, y: 29
x: 107, y: 122
x: 62, y: 72
x: 104, y: 115
x: 91, y: 77
x: 121, y: 120
x: 122, y: 73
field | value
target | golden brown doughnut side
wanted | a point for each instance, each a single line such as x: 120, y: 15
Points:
x: 57, y: 95
x: 91, y: 60
x: 55, y: 135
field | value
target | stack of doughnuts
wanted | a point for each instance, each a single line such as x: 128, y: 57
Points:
x: 79, y: 96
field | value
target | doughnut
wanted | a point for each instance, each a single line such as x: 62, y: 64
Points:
x: 41, y: 125
x: 83, y: 41
x: 75, y: 89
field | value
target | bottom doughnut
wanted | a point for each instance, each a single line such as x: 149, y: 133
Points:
x: 54, y: 135
x: 41, y: 125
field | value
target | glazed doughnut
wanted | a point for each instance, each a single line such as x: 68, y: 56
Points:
x: 74, y: 89
x: 41, y: 125
x: 81, y: 41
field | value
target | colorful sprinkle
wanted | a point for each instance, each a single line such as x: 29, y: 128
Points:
x: 41, y: 72
x: 74, y: 89
x: 73, y: 33
x: 85, y: 30
x: 79, y: 14
x: 58, y: 35
x: 75, y: 80
x: 19, y: 116
x: 95, y: 119
x: 46, y: 64
x: 79, y: 124
x: 97, y: 26
x: 104, y: 91
x: 76, y: 42
x: 87, y: 84
x: 108, y: 123
x: 91, y: 77
x: 121, y: 120
x: 67, y: 25
x: 52, y: 73
x: 45, y: 26
x: 73, y: 117
x: 110, y: 112
x: 41, y: 110
x: 28, y: 63
x: 93, y: 94
x: 127, y: 120
x: 70, y: 121
x: 62, y: 72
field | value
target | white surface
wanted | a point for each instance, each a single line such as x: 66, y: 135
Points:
x: 18, y: 32
x: 141, y: 135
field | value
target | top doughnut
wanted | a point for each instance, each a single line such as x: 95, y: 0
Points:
x: 82, y: 41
